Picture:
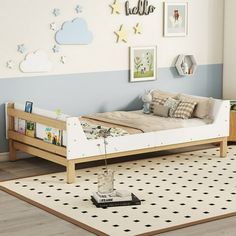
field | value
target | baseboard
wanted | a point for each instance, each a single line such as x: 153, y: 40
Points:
x: 21, y: 155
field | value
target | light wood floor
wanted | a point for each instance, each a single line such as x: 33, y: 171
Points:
x: 18, y: 218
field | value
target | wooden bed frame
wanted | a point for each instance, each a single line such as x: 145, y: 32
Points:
x: 61, y: 155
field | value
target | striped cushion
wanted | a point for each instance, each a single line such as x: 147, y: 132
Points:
x: 184, y: 110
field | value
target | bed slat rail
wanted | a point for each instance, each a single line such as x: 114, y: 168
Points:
x: 154, y: 149
x: 40, y: 153
x: 37, y: 143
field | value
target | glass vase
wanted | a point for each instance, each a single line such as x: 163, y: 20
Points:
x: 106, y: 181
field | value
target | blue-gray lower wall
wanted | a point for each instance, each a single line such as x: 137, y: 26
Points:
x: 79, y: 94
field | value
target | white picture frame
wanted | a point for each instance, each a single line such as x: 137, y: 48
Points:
x: 143, y: 63
x: 175, y: 19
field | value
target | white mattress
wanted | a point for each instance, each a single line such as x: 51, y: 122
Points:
x: 145, y: 122
x: 181, y: 123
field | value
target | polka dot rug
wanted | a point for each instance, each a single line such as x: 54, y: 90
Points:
x: 176, y: 191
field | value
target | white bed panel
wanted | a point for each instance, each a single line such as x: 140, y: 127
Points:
x: 77, y: 148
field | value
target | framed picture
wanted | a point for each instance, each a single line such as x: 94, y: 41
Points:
x: 28, y: 106
x: 142, y: 64
x: 176, y: 19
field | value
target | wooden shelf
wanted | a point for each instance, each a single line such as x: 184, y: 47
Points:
x: 191, y: 63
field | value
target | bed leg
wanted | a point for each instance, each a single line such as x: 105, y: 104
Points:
x: 12, y: 151
x: 223, y: 147
x: 70, y: 169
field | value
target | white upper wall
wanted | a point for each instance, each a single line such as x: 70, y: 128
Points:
x: 28, y: 22
x: 229, y: 80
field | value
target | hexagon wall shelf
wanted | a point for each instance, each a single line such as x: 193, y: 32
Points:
x: 186, y: 65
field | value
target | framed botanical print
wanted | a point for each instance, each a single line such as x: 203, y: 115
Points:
x: 176, y: 19
x: 142, y: 63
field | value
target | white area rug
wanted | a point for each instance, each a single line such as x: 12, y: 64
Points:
x: 176, y: 191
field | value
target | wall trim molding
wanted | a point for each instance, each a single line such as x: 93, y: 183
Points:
x: 20, y: 155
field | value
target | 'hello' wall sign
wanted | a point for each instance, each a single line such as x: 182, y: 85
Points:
x: 141, y: 9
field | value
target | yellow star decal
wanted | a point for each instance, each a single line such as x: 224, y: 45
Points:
x: 116, y: 7
x: 137, y: 29
x: 122, y: 34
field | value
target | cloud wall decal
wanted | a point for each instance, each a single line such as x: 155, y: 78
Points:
x: 36, y: 62
x: 74, y: 32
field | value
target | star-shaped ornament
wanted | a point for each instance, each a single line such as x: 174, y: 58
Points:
x: 63, y: 59
x: 137, y: 29
x: 21, y: 48
x: 122, y: 35
x: 10, y: 64
x: 56, y: 12
x: 53, y: 26
x: 78, y: 9
x: 56, y: 49
x: 116, y: 6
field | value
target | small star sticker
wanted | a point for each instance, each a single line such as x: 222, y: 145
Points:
x: 137, y: 29
x: 53, y: 26
x: 21, y: 48
x: 55, y: 49
x: 115, y: 7
x: 56, y: 12
x: 78, y: 9
x: 10, y: 64
x: 63, y: 59
x: 122, y: 34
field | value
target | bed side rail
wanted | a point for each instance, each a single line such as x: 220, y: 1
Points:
x: 12, y: 112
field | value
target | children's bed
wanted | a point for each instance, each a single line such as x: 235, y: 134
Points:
x: 157, y: 134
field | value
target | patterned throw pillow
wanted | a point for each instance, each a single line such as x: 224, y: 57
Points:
x: 159, y: 100
x: 184, y: 110
x: 203, y: 108
x: 172, y: 104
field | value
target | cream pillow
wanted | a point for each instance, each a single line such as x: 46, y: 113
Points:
x: 157, y: 93
x: 203, y: 107
x: 160, y: 110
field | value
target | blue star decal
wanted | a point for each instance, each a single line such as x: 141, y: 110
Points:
x: 55, y: 49
x: 56, y: 12
x: 78, y: 9
x: 21, y: 48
